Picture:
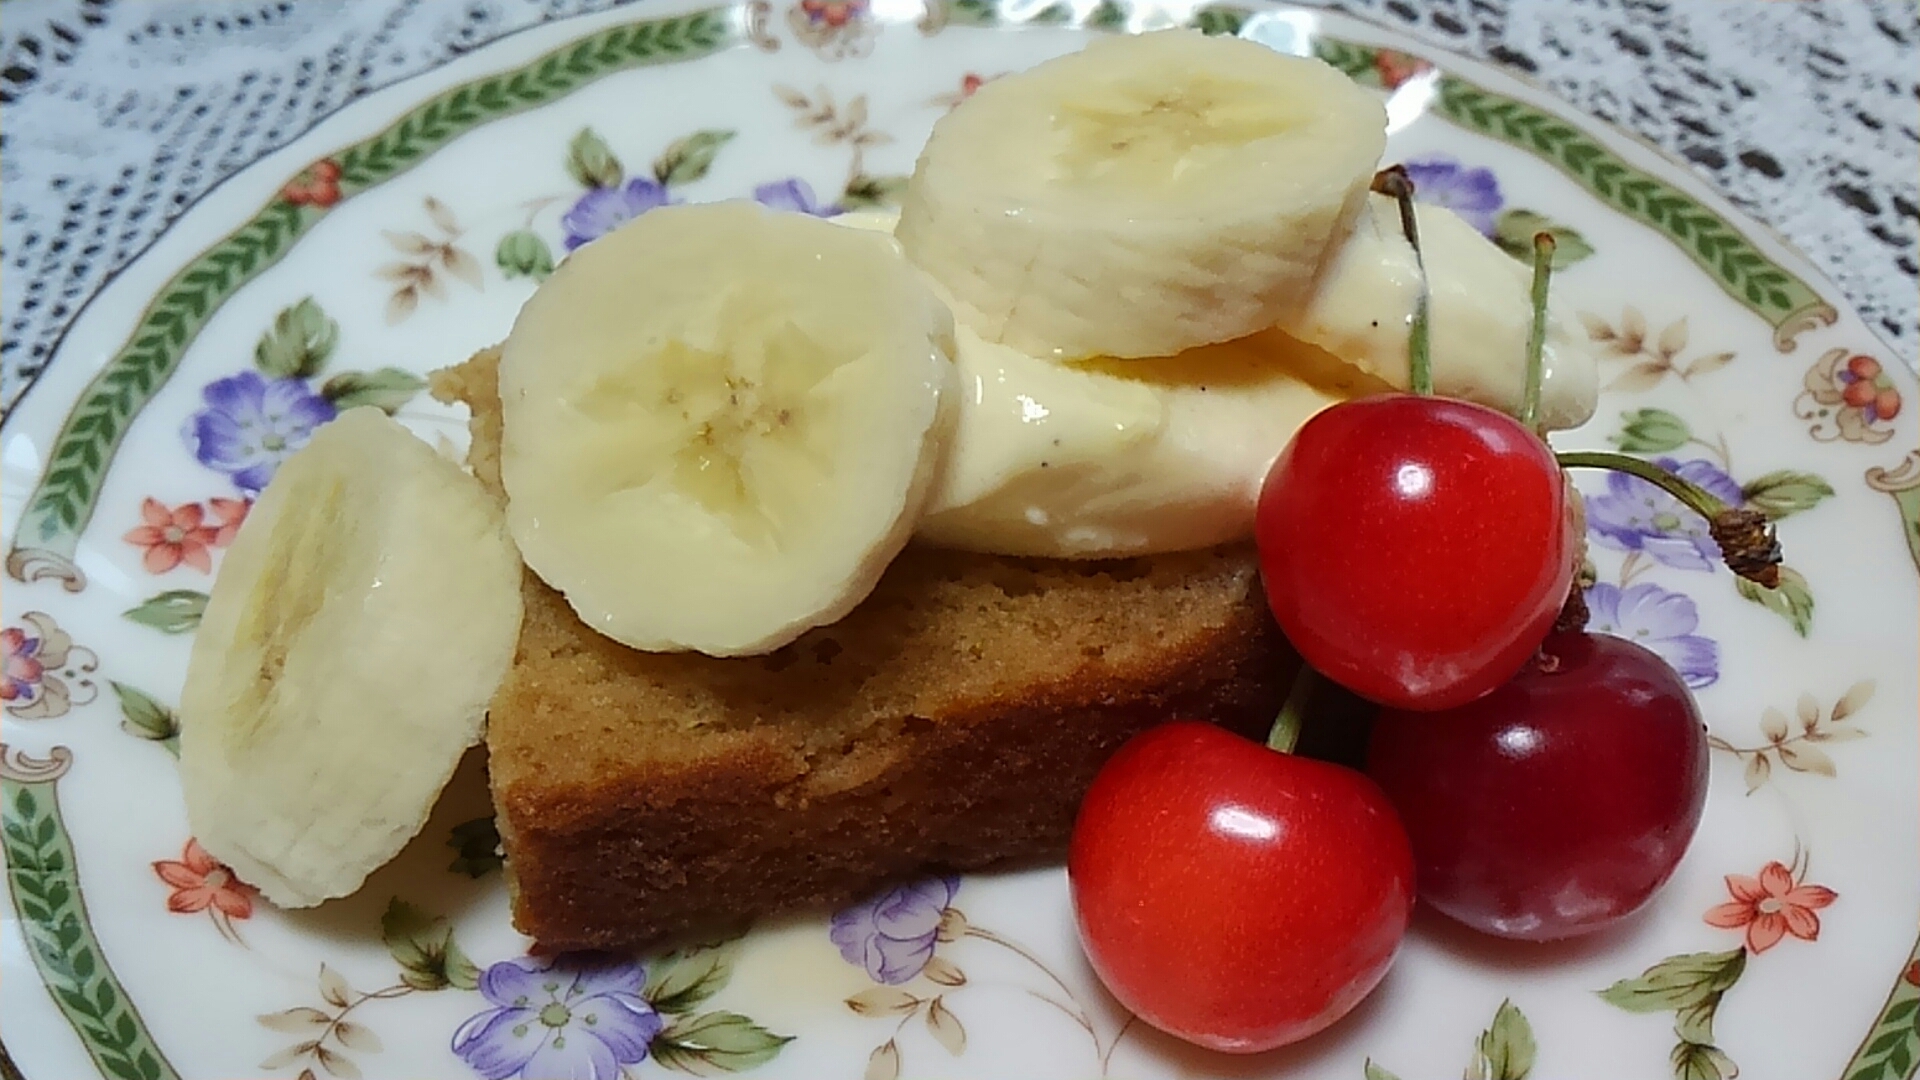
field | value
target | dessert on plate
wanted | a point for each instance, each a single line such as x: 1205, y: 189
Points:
x: 855, y: 548
x: 951, y: 719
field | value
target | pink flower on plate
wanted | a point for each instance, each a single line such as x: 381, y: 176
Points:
x: 1770, y: 907
x: 231, y: 514
x: 201, y: 883
x: 171, y: 537
x: 1395, y: 68
x: 317, y: 185
x: 20, y: 666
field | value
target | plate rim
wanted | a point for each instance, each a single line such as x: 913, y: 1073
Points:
x: 400, y: 101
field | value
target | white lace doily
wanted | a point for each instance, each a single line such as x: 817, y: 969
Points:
x: 120, y: 114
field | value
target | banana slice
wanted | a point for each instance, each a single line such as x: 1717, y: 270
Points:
x: 720, y: 423
x: 1479, y: 310
x: 359, y: 625
x: 1145, y: 195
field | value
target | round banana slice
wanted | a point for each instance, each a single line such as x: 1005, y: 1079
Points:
x: 1143, y: 196
x: 720, y: 423
x: 358, y: 627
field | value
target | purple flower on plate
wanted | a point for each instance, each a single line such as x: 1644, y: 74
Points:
x: 251, y: 424
x: 1474, y: 194
x: 566, y: 1018
x: 794, y: 194
x: 602, y: 210
x: 892, y: 934
x: 1633, y: 515
x: 1660, y: 620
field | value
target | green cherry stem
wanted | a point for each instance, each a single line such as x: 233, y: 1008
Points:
x: 1537, y: 333
x: 1746, y: 539
x: 1394, y: 182
x: 1293, y: 711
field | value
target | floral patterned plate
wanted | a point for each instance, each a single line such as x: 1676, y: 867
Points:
x: 405, y: 232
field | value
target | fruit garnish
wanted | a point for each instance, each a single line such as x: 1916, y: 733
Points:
x: 737, y: 459
x: 1415, y: 549
x: 1394, y: 544
x: 1558, y: 804
x: 1236, y: 897
x: 357, y: 629
x: 1147, y: 194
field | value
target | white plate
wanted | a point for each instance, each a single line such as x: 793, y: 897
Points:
x: 399, y: 235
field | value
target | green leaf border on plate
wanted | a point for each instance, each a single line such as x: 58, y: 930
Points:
x: 1788, y: 304
x: 44, y: 881
x: 1891, y: 1050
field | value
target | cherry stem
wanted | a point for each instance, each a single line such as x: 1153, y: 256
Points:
x: 1746, y: 538
x: 1293, y: 711
x: 1537, y: 334
x: 1394, y: 182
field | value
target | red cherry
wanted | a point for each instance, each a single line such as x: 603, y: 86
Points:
x: 1864, y: 367
x: 1558, y: 804
x: 1859, y: 393
x: 1232, y: 896
x: 1887, y: 404
x: 1415, y: 549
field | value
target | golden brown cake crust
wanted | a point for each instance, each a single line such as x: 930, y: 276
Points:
x: 953, y: 721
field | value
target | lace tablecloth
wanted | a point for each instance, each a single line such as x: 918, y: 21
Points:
x: 120, y: 114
